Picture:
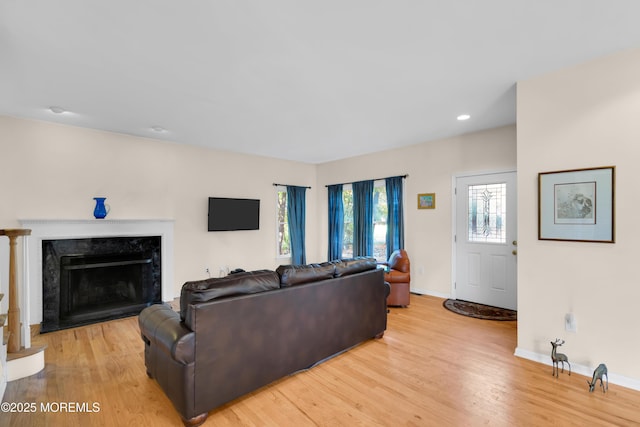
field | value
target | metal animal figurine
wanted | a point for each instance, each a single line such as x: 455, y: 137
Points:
x: 558, y: 357
x: 597, y: 375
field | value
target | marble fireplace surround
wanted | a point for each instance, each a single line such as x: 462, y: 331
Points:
x: 31, y: 295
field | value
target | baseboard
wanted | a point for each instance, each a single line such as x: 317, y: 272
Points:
x: 587, y: 371
x: 430, y: 293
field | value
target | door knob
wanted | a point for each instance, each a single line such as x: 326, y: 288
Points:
x: 515, y: 243
x: 515, y: 252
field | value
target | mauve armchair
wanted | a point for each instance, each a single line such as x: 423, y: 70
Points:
x: 398, y: 274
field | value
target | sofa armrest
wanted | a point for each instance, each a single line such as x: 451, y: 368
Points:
x: 161, y: 327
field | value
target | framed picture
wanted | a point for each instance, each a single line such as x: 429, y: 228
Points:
x: 427, y: 201
x: 577, y: 205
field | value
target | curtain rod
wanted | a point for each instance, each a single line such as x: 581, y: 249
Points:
x: 375, y: 179
x: 287, y: 185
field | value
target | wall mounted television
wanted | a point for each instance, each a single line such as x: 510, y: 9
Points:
x: 227, y: 214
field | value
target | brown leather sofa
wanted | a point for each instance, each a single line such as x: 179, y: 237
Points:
x: 236, y: 334
x: 398, y: 274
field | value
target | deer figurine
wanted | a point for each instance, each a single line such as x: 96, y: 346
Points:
x: 558, y: 357
x: 597, y: 375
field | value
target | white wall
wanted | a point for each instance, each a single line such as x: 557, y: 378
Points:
x: 431, y: 166
x: 51, y: 171
x: 585, y: 116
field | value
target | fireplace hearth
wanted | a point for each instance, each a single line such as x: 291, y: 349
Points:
x: 96, y: 279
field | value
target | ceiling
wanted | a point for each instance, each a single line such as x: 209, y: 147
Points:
x: 311, y: 81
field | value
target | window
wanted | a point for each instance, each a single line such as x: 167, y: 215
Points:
x: 282, y: 226
x: 379, y: 221
x: 347, y: 239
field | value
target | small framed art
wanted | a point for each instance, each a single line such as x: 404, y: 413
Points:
x: 577, y: 204
x: 427, y: 201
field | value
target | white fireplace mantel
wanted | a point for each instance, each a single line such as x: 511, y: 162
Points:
x: 45, y: 229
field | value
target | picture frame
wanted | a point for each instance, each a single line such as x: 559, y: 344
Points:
x: 577, y: 205
x: 427, y: 201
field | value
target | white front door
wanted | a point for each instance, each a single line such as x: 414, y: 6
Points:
x: 485, y: 239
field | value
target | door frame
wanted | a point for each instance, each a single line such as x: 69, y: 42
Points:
x: 454, y: 204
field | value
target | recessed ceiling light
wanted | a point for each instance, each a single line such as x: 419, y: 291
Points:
x: 463, y: 117
x: 158, y: 129
x: 57, y: 110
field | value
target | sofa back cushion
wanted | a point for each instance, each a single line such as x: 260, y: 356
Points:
x: 291, y: 275
x: 346, y: 267
x: 249, y: 282
x: 399, y: 260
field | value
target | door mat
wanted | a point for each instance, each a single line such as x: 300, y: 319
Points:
x: 479, y: 311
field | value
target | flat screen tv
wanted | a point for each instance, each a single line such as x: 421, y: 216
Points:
x: 226, y: 214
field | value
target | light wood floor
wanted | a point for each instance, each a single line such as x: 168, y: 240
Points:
x: 432, y: 367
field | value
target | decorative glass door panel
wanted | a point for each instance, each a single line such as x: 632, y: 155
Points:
x: 487, y: 213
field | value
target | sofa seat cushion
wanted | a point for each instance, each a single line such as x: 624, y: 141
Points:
x: 249, y: 282
x: 291, y: 275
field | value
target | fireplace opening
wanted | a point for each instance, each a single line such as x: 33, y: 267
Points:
x: 97, y: 279
x: 93, y: 287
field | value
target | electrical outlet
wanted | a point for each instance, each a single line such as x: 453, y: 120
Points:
x: 570, y: 324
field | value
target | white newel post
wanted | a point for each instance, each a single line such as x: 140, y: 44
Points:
x: 26, y: 303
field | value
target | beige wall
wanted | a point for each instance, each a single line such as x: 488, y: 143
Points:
x: 586, y: 116
x: 431, y: 166
x: 52, y: 171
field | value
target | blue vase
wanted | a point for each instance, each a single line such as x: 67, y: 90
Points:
x: 101, y: 209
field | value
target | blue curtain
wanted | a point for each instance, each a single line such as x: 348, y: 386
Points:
x: 395, y: 223
x: 296, y: 208
x: 336, y: 222
x: 363, y: 218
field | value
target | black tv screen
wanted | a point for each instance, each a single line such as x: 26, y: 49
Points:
x: 227, y: 214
